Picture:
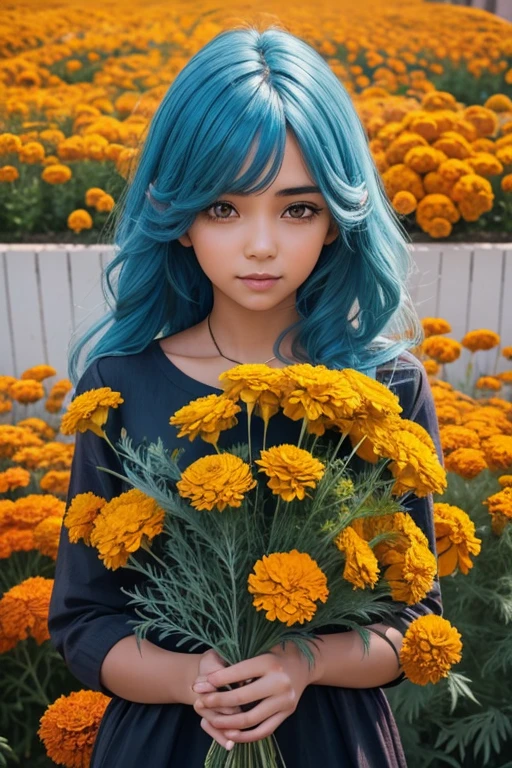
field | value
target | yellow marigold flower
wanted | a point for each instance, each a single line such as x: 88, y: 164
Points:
x: 435, y: 326
x: 69, y: 727
x: 207, y: 417
x: 81, y: 514
x: 505, y: 377
x: 505, y: 481
x: 9, y: 173
x: 56, y: 173
x: 26, y: 391
x: 256, y: 385
x: 431, y: 366
x: 481, y: 339
x: 440, y: 348
x: 410, y: 574
x: 466, y: 462
x: 12, y: 438
x: 124, y: 525
x: 61, y: 388
x: 455, y: 539
x: 361, y: 565
x: 500, y: 508
x: 431, y: 646
x: 414, y: 465
x: 452, y: 169
x: 90, y: 411
x: 5, y: 383
x: 24, y: 611
x: 488, y: 382
x: 79, y: 219
x: 47, y: 535
x: 38, y: 426
x: 216, y: 481
x: 5, y: 404
x: 14, y: 477
x: 287, y: 585
x: 9, y: 142
x: 291, y: 470
x: 498, y: 452
x: 454, y: 436
x: 400, y: 178
x: 507, y: 353
x: 499, y: 102
x: 56, y: 481
x: 29, y: 510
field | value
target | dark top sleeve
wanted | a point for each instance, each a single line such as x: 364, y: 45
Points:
x: 418, y: 405
x: 86, y: 609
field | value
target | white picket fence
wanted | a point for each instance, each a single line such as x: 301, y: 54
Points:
x: 47, y: 291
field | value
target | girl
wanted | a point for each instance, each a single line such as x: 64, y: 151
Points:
x: 255, y: 229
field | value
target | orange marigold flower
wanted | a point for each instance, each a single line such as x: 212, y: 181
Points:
x: 256, y: 385
x: 505, y: 377
x: 481, y: 339
x: 56, y: 481
x: 411, y: 574
x: 415, y: 466
x: 14, y: 477
x: 291, y: 470
x: 92, y: 196
x: 47, y: 535
x: 507, y: 353
x: 69, y: 727
x: 435, y: 326
x: 12, y: 438
x: 505, y: 481
x: 24, y: 612
x: 500, y: 504
x: 466, y: 462
x: 90, y: 411
x: 81, y: 514
x: 216, y: 481
x: 442, y: 349
x: 455, y: 539
x: 38, y: 372
x: 431, y: 367
x: 431, y: 646
x: 29, y: 510
x: 488, y: 382
x: 498, y: 452
x: 79, y: 219
x: 5, y: 384
x: 5, y: 404
x: 26, y: 391
x: 15, y: 540
x: 207, y: 417
x: 39, y: 427
x: 287, y: 585
x: 125, y: 524
x: 361, y: 565
x: 454, y: 436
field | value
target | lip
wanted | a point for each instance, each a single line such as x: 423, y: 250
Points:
x: 259, y: 282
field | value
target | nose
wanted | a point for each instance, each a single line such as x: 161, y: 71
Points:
x: 261, y: 243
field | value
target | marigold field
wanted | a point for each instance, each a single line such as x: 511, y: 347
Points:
x: 431, y: 82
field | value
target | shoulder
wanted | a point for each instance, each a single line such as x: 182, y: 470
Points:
x: 118, y: 372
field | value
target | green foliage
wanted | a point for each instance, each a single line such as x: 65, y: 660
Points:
x: 467, y: 718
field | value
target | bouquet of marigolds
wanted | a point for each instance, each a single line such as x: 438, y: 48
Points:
x: 260, y: 550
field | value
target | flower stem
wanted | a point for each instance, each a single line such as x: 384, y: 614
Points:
x: 302, y: 431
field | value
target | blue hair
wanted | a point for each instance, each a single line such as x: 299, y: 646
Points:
x: 245, y: 89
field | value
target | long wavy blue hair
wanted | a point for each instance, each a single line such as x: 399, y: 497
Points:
x: 249, y: 87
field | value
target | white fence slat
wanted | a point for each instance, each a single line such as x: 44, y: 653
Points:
x: 87, y: 297
x: 424, y: 282
x: 22, y: 282
x: 56, y: 300
x: 454, y: 289
x: 7, y: 358
x: 485, y: 300
x: 505, y: 328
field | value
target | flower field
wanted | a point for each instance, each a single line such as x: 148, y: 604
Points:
x: 466, y: 717
x: 430, y: 82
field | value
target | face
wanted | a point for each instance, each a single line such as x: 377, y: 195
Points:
x: 257, y: 250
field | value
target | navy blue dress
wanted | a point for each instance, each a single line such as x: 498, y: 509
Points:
x: 332, y: 727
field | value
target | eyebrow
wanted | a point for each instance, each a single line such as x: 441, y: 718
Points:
x: 297, y: 191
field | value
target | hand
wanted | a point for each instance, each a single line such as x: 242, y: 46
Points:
x: 210, y: 662
x: 277, y: 681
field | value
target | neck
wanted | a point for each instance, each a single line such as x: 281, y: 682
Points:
x: 248, y: 335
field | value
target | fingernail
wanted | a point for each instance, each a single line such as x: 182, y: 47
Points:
x: 201, y: 687
x: 230, y: 745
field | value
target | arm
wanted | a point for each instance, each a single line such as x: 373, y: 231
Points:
x: 88, y: 621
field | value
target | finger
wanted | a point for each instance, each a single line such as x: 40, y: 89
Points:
x: 217, y: 735
x: 209, y: 714
x: 201, y: 685
x: 244, y: 694
x: 236, y: 673
x: 254, y: 717
x: 261, y: 732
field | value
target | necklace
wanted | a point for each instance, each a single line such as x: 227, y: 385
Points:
x: 225, y: 356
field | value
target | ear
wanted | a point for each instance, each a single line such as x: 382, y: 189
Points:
x: 185, y: 240
x: 332, y: 233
